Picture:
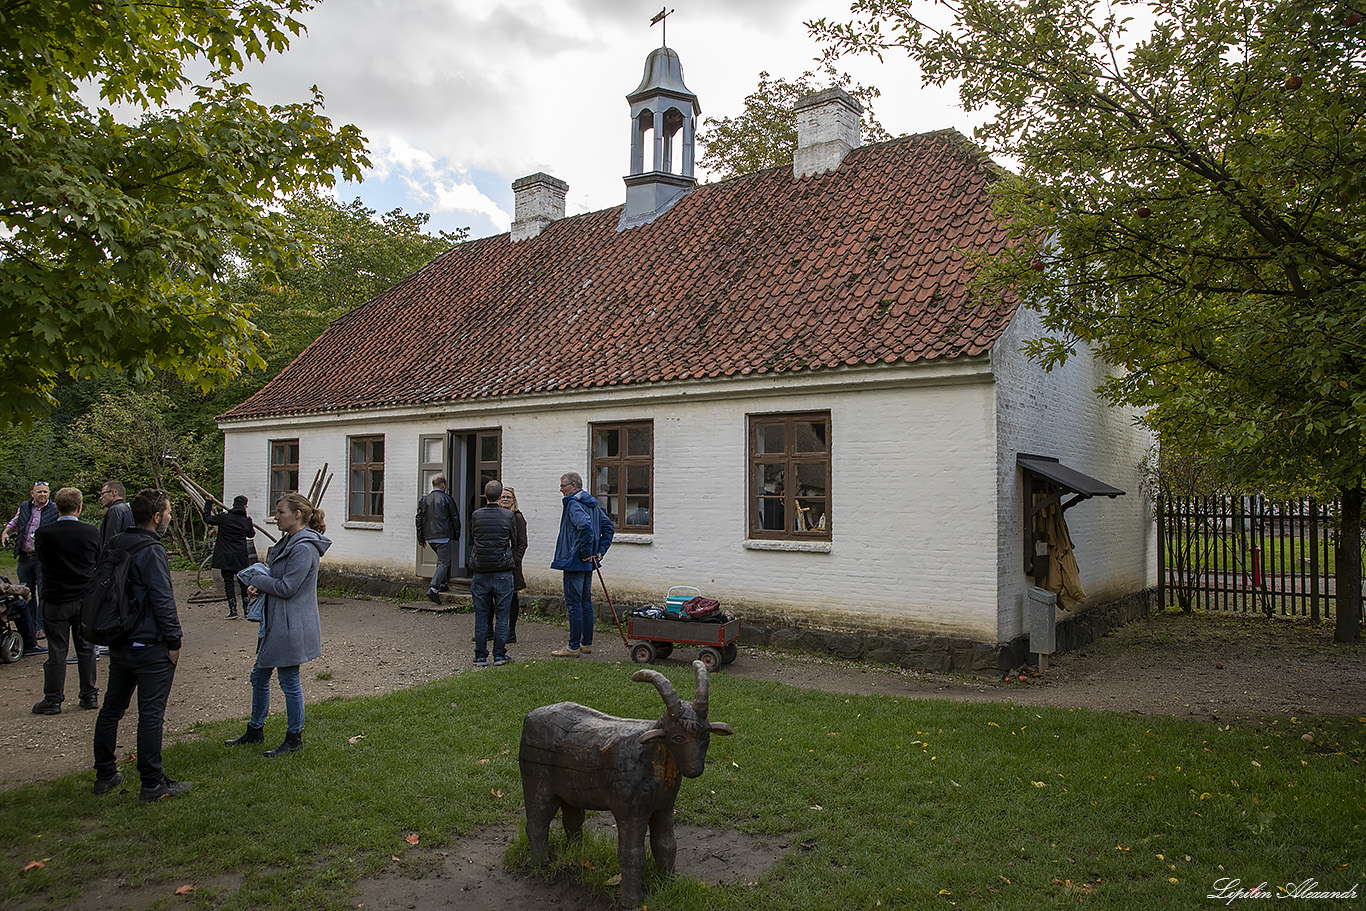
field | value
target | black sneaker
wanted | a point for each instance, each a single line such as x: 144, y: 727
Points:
x: 36, y: 649
x: 48, y: 707
x: 90, y: 702
x: 499, y: 662
x: 167, y: 788
x: 105, y: 785
x: 433, y: 597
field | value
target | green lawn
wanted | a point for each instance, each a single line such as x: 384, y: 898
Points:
x: 893, y: 802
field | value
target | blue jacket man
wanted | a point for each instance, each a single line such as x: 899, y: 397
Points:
x: 585, y: 534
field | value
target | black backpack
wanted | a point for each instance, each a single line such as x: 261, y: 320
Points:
x: 107, y: 615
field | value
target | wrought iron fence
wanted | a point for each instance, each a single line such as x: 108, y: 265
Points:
x: 1247, y: 554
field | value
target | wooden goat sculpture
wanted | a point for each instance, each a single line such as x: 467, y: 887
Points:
x: 578, y: 759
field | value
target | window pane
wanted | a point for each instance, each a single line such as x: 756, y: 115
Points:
x: 358, y: 503
x: 376, y: 481
x: 293, y: 454
x: 610, y: 504
x: 291, y: 482
x: 638, y: 479
x: 771, y: 513
x: 608, y: 443
x: 377, y: 503
x: 769, y: 438
x: 358, y: 451
x: 637, y: 511
x: 811, y: 436
x: 376, y: 451
x: 488, y: 449
x: 606, y: 480
x: 639, y: 441
x: 431, y: 450
x: 811, y: 480
x: 277, y: 454
x: 811, y: 514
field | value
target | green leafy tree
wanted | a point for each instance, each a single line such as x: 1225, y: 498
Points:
x: 1189, y: 204
x: 765, y: 135
x: 115, y: 233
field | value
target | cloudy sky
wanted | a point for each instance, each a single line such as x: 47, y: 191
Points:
x: 458, y: 98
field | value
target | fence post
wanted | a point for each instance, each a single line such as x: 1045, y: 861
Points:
x: 1161, y: 557
x: 1313, y: 562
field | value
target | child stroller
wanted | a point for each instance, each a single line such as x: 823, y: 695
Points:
x: 13, y: 599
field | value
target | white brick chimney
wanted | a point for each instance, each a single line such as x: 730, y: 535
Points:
x: 828, y: 128
x: 539, y: 200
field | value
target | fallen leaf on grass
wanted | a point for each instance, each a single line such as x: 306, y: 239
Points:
x: 495, y: 793
x: 36, y: 864
x: 185, y: 889
x: 355, y: 740
x: 615, y: 880
x: 413, y: 839
x: 588, y: 864
x: 482, y: 762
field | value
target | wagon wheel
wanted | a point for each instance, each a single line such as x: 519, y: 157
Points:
x: 11, y: 648
x: 206, y: 577
x: 729, y: 653
x: 663, y: 649
x: 711, y: 658
x: 642, y: 653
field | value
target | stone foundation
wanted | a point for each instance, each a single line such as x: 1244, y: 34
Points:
x: 913, y: 651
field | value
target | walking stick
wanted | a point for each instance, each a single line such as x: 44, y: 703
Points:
x: 605, y: 594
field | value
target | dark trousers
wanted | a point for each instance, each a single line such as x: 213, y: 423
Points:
x: 513, y: 612
x: 63, y: 621
x: 230, y: 586
x: 30, y: 573
x: 148, y: 670
x: 492, y: 593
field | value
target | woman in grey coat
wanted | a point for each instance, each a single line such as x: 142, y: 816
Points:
x: 290, y: 633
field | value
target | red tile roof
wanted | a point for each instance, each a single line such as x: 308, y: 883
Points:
x: 760, y: 274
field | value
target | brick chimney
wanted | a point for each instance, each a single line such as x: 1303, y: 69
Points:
x: 539, y: 201
x: 828, y: 128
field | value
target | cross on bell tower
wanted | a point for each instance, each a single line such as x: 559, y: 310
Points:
x: 662, y: 108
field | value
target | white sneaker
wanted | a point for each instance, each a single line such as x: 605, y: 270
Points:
x: 586, y: 649
x: 565, y: 653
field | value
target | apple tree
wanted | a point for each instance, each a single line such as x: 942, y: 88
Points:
x: 127, y: 185
x: 1188, y: 202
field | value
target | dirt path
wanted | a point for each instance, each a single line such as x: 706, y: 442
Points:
x: 1187, y: 667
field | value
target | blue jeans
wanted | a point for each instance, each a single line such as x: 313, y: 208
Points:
x: 30, y: 573
x: 492, y: 593
x: 443, y: 564
x: 289, y: 685
x: 578, y: 603
x: 148, y: 670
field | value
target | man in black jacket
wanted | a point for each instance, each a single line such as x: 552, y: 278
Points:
x: 146, y: 660
x: 118, y: 516
x: 67, y: 550
x: 494, y: 530
x: 438, y: 525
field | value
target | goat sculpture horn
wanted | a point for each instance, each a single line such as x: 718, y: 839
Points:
x: 666, y: 689
x: 702, y: 693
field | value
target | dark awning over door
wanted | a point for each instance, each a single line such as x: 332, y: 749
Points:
x: 1070, y: 478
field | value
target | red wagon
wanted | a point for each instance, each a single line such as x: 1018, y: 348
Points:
x: 659, y: 636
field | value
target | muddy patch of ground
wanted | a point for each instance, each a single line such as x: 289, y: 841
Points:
x: 470, y: 873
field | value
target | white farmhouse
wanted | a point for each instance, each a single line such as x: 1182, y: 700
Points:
x: 783, y: 387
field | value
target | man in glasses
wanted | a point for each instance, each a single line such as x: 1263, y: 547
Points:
x: 118, y: 515
x: 33, y: 513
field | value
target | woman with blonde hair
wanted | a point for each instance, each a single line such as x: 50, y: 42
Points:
x: 290, y: 632
x: 509, y: 501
